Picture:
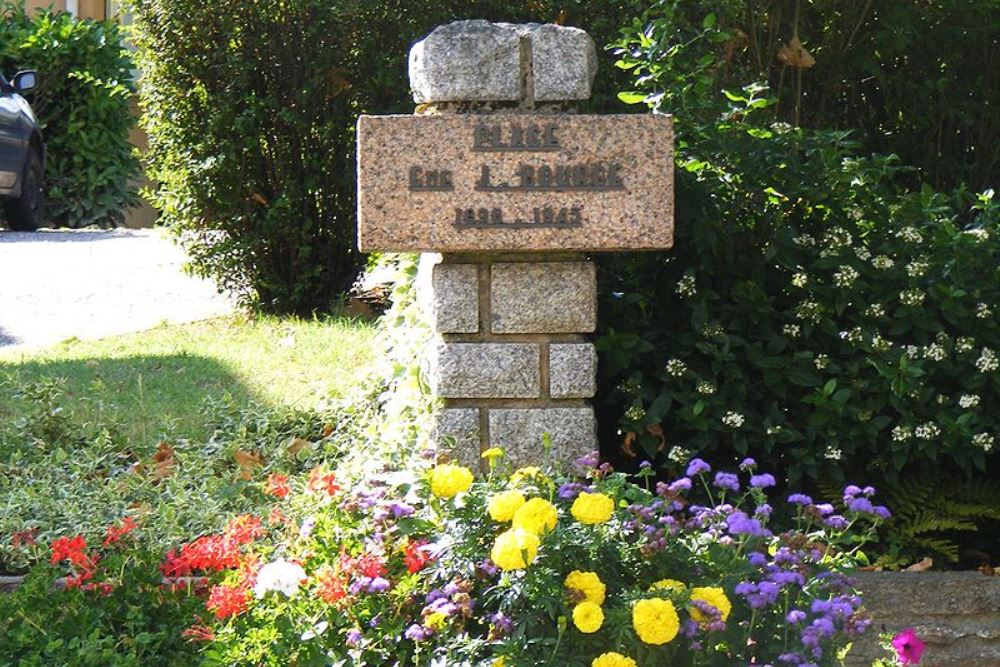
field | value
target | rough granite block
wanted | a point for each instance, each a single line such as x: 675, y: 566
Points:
x: 543, y: 297
x: 572, y: 370
x: 475, y: 61
x: 456, y: 431
x: 564, y: 63
x: 455, y: 304
x: 519, y: 431
x: 485, y: 370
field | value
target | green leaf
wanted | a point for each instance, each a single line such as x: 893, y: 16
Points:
x: 632, y: 97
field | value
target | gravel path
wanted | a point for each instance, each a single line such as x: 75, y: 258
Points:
x: 61, y: 284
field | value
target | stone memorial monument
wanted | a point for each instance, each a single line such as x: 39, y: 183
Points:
x: 507, y: 192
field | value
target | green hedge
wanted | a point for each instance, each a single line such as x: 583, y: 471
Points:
x: 83, y: 107
x: 250, y: 108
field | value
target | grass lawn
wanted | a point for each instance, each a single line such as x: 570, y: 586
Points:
x: 155, y: 383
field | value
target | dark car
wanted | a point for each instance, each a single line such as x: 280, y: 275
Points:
x: 22, y: 154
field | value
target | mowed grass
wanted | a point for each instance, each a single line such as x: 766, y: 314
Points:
x: 157, y: 382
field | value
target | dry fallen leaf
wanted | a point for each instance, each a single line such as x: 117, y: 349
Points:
x: 627, y: 444
x: 794, y: 54
x: 987, y: 569
x: 922, y: 566
x: 164, y: 461
x: 327, y: 430
x: 656, y: 431
x: 296, y: 445
x: 247, y: 462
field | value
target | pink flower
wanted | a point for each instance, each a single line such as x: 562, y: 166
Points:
x: 909, y: 647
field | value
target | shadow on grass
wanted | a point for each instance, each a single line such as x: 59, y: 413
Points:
x: 149, y: 396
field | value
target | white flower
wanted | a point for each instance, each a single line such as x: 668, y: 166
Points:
x: 685, y: 286
x: 675, y: 368
x: 927, y: 431
x: 833, y: 453
x: 912, y: 351
x: 968, y: 401
x: 774, y: 430
x: 882, y: 263
x: 983, y: 311
x: 964, y: 344
x: 979, y: 235
x: 983, y: 440
x: 911, y: 297
x: 821, y: 361
x: 935, y: 352
x: 810, y: 311
x: 733, y: 419
x: 863, y: 253
x: 901, y: 434
x: 791, y: 330
x: 987, y: 361
x: 678, y: 454
x: 804, y: 240
x: 880, y: 344
x: 800, y: 280
x: 853, y: 336
x: 910, y: 235
x: 280, y: 576
x: 705, y: 388
x: 712, y: 331
x: 916, y: 269
x: 837, y: 237
x: 875, y: 310
x: 845, y: 276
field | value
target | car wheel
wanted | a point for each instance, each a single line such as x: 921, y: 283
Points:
x: 24, y: 214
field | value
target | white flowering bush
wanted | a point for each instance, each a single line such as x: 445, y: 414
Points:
x: 816, y: 311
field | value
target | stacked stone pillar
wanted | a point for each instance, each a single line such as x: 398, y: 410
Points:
x: 510, y: 357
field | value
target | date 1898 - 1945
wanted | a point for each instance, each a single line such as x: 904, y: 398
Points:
x: 541, y: 216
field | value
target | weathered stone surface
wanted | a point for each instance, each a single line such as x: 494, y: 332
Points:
x: 572, y: 370
x: 588, y: 183
x: 543, y: 297
x: 956, y: 613
x: 467, y: 61
x: 456, y: 430
x: 519, y: 431
x: 455, y: 304
x: 485, y: 370
x: 564, y: 63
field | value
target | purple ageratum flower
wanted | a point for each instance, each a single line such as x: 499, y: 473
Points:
x: 757, y: 559
x: 795, y: 616
x: 378, y: 585
x: 850, y: 491
x: 882, y: 512
x: 762, y: 481
x: 739, y: 523
x: 570, y: 490
x: 824, y: 509
x: 501, y: 623
x: 836, y: 522
x: 353, y: 637
x: 726, y: 480
x: 748, y: 464
x: 591, y: 460
x: 790, y: 658
x: 400, y: 510
x: 645, y: 465
x: 417, y: 632
x: 868, y: 491
x: 861, y: 505
x: 679, y: 485
x: 697, y: 467
x: 764, y: 510
x: 800, y: 499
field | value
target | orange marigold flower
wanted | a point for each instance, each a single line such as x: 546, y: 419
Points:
x: 322, y: 481
x: 331, y: 586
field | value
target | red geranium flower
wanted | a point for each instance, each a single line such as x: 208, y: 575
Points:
x: 277, y: 485
x: 330, y: 585
x: 225, y: 601
x: 415, y: 557
x: 114, y: 534
x: 321, y: 481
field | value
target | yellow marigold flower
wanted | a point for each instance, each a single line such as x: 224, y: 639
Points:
x: 655, y: 620
x: 499, y: 662
x: 447, y: 480
x: 492, y: 453
x: 528, y: 473
x: 587, y: 583
x: 514, y: 549
x: 613, y: 660
x: 714, y: 596
x: 436, y: 620
x: 503, y: 505
x: 588, y: 617
x: 537, y: 516
x: 667, y: 585
x: 592, y: 508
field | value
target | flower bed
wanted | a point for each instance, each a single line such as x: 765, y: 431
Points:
x: 527, y: 567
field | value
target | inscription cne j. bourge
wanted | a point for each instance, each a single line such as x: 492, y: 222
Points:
x: 539, y: 138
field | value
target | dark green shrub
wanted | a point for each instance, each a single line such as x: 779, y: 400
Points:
x: 813, y: 313
x: 250, y: 108
x: 83, y: 107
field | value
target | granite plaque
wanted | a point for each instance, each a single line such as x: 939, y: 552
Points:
x: 519, y: 182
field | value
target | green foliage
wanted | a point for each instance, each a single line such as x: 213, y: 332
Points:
x: 814, y: 313
x: 252, y: 140
x: 917, y: 79
x: 83, y: 105
x: 137, y: 623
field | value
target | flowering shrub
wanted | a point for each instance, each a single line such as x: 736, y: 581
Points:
x: 533, y: 567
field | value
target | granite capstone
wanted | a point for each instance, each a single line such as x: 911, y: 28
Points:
x: 564, y: 63
x: 467, y: 61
